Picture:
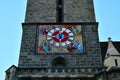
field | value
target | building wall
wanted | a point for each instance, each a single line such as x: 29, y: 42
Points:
x: 110, y: 62
x: 73, y: 11
x: 79, y: 11
x: 91, y: 57
x: 41, y: 11
x: 114, y: 76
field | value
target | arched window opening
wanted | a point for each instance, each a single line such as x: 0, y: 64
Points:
x: 59, y: 62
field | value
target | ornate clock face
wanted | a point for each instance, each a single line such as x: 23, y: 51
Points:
x: 60, y: 36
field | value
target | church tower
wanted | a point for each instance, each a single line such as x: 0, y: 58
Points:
x: 59, y: 42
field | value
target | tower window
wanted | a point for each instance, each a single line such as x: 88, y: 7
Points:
x: 59, y: 11
x: 116, y: 62
x: 8, y: 75
x: 59, y: 62
x: 108, y: 54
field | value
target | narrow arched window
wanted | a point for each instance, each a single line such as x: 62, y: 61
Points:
x: 116, y: 62
x: 59, y: 11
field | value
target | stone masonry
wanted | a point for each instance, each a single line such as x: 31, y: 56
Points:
x: 79, y: 11
x: 91, y: 46
x: 73, y: 10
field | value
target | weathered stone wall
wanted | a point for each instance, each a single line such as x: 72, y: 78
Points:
x: 91, y: 39
x: 73, y: 11
x: 41, y: 11
x: 114, y: 76
x: 27, y: 45
x: 90, y: 58
x: 79, y: 11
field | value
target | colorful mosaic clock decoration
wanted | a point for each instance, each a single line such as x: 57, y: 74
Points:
x: 59, y: 38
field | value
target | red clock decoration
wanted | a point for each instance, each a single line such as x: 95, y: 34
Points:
x: 60, y: 36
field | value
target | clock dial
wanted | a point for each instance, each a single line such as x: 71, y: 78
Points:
x: 60, y: 36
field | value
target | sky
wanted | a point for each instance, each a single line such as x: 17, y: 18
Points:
x: 12, y: 14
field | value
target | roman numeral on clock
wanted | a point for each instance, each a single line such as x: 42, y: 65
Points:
x: 56, y: 44
x: 63, y: 44
x: 49, y: 39
x: 67, y: 42
x: 70, y: 40
x: 48, y: 36
x: 68, y: 31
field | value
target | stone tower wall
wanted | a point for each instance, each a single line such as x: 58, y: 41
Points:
x: 79, y: 11
x: 73, y: 11
x: 44, y: 11
x: 91, y: 57
x: 41, y: 11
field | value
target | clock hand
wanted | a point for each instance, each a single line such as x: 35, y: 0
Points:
x: 60, y: 36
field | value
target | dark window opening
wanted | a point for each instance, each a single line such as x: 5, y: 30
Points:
x: 108, y: 54
x: 59, y: 62
x: 8, y: 75
x: 116, y: 63
x: 59, y: 11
